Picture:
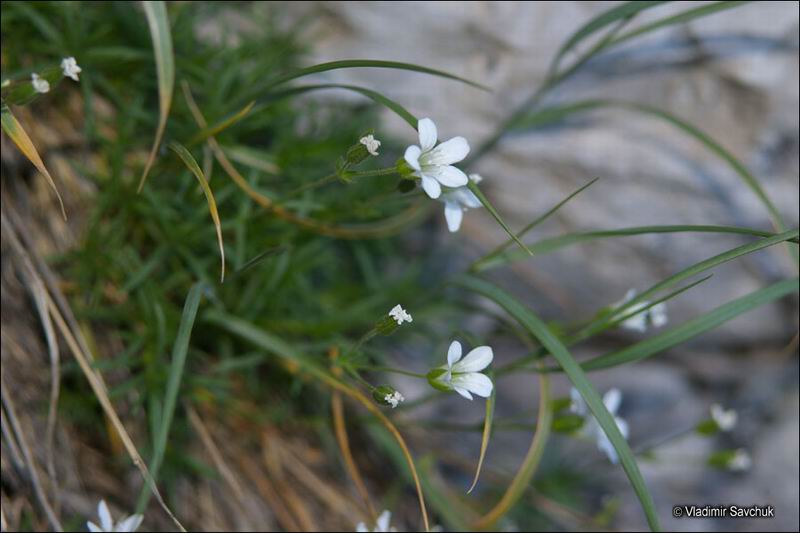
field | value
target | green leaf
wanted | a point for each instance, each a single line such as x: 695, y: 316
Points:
x: 552, y: 244
x: 17, y: 133
x: 192, y: 165
x: 390, y: 104
x: 487, y: 433
x: 177, y: 364
x: 489, y: 207
x: 369, y: 63
x: 578, y: 378
x: 158, y: 22
x: 224, y: 124
x: 692, y: 328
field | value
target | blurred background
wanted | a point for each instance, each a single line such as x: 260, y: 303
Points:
x: 734, y: 74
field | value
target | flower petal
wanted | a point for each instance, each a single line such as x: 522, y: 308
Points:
x: 463, y: 392
x: 577, y: 405
x: 431, y: 186
x: 427, y: 134
x: 612, y: 399
x: 475, y: 361
x: 453, y: 213
x: 130, y: 524
x: 448, y: 176
x: 94, y: 528
x: 475, y: 383
x: 362, y: 528
x: 105, y: 516
x: 623, y: 426
x: 449, y: 152
x: 412, y: 156
x: 383, y: 521
x: 453, y: 353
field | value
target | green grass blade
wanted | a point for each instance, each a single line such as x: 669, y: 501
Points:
x: 17, y: 133
x: 158, y: 22
x: 695, y: 327
x: 552, y: 244
x: 680, y: 18
x: 604, y: 19
x: 489, y: 207
x: 487, y: 433
x: 222, y: 125
x: 578, y: 378
x: 177, y: 364
x: 538, y: 220
x: 369, y: 63
x: 390, y: 104
x: 192, y: 165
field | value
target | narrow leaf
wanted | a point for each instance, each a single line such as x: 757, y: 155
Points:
x: 192, y: 165
x: 224, y: 124
x: 487, y: 433
x: 17, y: 133
x: 489, y: 207
x: 157, y: 20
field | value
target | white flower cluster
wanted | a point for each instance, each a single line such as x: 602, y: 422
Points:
x: 394, y: 399
x: 400, y: 315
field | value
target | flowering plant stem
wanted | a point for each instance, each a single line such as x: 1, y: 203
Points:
x: 335, y: 176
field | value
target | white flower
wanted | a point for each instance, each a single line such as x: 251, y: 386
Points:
x: 382, y: 525
x: 40, y: 85
x: 131, y: 523
x: 371, y: 143
x: 655, y: 316
x: 394, y: 399
x: 591, y: 429
x: 725, y: 419
x: 741, y: 461
x: 463, y: 375
x: 433, y: 164
x: 70, y: 68
x: 400, y: 315
x: 457, y: 201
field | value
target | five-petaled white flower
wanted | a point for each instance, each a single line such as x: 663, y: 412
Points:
x: 131, y: 523
x: 463, y: 375
x: 433, y: 164
x: 725, y: 419
x: 394, y: 399
x: 457, y: 201
x: 40, y: 85
x: 741, y: 461
x: 371, y: 143
x: 382, y: 525
x: 655, y: 316
x: 400, y: 315
x: 591, y: 429
x: 70, y: 68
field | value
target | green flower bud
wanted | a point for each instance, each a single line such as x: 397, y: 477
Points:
x: 436, y: 379
x: 386, y: 395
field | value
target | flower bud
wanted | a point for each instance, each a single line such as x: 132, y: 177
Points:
x: 387, y: 395
x: 437, y: 378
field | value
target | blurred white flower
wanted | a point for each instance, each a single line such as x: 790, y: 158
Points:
x: 400, y: 315
x: 40, y: 85
x: 591, y: 429
x: 70, y: 68
x: 131, y: 523
x: 741, y: 461
x: 382, y: 525
x: 433, y: 164
x: 457, y: 201
x: 394, y: 399
x: 725, y: 419
x: 463, y: 375
x: 655, y: 316
x: 371, y: 143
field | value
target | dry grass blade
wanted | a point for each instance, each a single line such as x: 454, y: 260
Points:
x: 157, y: 20
x: 268, y: 492
x: 487, y: 433
x: 95, y: 379
x: 17, y: 133
x: 191, y: 164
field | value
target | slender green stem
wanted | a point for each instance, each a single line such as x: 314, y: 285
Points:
x: 392, y: 370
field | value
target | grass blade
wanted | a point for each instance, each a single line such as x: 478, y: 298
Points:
x: 487, y: 433
x: 369, y: 63
x: 489, y: 207
x: 158, y: 22
x: 390, y: 104
x: 179, y: 351
x: 224, y: 124
x: 694, y: 327
x: 578, y: 378
x: 192, y: 165
x: 526, y: 471
x: 552, y: 244
x: 17, y: 133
